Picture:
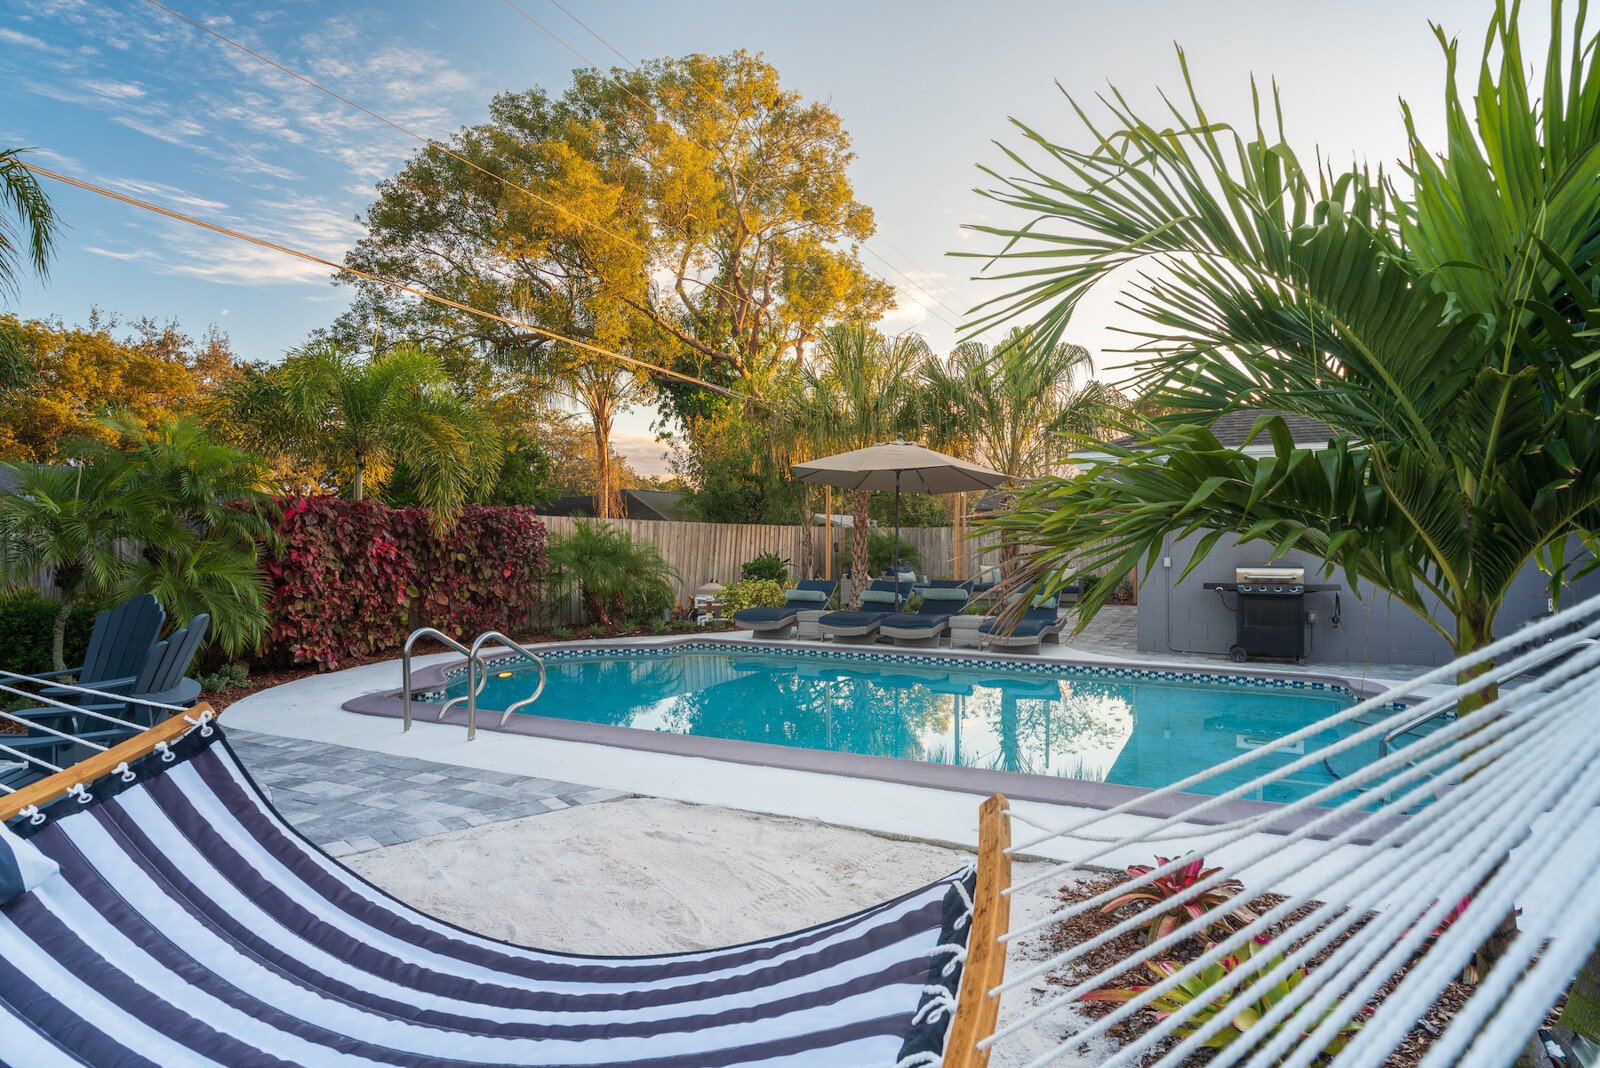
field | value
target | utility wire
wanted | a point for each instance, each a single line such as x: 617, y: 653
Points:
x: 402, y: 286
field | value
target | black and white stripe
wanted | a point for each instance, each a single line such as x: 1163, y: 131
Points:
x: 191, y: 925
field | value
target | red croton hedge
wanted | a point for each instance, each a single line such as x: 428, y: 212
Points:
x: 354, y: 577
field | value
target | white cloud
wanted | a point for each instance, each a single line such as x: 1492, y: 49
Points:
x: 115, y: 90
x: 21, y: 40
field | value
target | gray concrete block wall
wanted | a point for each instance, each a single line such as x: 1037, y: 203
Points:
x: 1374, y: 628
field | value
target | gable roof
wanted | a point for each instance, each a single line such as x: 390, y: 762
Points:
x: 1233, y: 428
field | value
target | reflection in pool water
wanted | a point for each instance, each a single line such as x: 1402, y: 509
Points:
x: 1144, y: 729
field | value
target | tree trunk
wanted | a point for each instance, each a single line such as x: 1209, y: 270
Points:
x: 58, y: 635
x: 607, y: 496
x: 859, y: 532
x: 360, y: 478
x: 1474, y: 630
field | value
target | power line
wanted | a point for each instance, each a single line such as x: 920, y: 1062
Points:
x: 262, y: 242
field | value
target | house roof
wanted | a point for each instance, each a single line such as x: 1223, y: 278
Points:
x: 1233, y: 428
x: 636, y: 504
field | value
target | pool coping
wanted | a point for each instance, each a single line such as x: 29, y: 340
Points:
x: 1021, y: 786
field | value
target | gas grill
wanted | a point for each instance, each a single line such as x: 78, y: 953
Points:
x: 1271, y: 611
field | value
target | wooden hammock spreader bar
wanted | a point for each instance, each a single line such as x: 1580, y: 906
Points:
x: 976, y: 1009
x: 102, y: 764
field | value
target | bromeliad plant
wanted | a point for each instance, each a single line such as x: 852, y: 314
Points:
x: 1156, y: 894
x: 1243, y: 1005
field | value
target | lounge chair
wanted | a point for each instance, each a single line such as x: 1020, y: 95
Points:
x: 879, y: 601
x: 118, y: 647
x: 810, y: 595
x: 1039, y: 624
x: 930, y: 620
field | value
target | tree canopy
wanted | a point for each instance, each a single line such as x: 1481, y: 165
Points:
x: 691, y: 211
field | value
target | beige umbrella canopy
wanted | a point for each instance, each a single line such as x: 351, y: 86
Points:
x: 901, y: 466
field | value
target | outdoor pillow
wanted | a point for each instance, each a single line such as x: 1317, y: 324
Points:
x: 879, y: 597
x: 1045, y: 601
x: 936, y: 593
x: 806, y: 596
x: 22, y: 866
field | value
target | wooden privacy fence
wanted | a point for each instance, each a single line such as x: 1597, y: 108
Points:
x: 713, y: 552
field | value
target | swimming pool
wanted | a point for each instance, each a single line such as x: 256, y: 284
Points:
x: 1115, y: 725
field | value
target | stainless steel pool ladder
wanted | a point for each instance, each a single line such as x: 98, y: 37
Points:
x: 478, y: 675
x: 405, y: 668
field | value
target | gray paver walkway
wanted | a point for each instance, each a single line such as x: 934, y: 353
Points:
x: 1114, y: 629
x: 351, y: 800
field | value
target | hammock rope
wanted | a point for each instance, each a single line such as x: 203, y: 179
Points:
x: 1402, y: 870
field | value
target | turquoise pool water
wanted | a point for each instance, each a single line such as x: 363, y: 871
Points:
x: 1135, y: 728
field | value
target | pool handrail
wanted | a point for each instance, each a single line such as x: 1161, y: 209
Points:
x: 477, y: 677
x: 405, y: 669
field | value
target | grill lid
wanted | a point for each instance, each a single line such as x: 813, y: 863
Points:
x: 1257, y: 575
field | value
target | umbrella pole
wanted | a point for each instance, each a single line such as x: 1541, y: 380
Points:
x: 897, y: 528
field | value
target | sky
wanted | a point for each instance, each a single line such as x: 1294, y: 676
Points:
x: 125, y: 94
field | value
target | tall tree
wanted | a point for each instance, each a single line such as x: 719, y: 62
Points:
x: 1444, y: 330
x: 861, y: 392
x: 691, y: 212
x: 76, y: 375
x: 358, y: 418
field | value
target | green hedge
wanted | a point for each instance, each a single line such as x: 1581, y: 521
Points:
x: 26, y: 620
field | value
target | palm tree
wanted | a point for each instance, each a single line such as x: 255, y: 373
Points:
x: 32, y: 236
x: 1011, y: 413
x: 167, y: 511
x: 362, y: 417
x: 860, y: 391
x: 1444, y: 331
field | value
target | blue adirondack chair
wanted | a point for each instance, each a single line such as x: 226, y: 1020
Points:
x: 160, y: 681
x: 118, y: 647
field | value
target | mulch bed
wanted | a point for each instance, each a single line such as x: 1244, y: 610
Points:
x: 1078, y: 929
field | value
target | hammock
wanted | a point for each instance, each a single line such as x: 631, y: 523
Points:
x: 163, y: 914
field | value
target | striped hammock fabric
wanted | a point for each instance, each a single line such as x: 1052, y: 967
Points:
x: 190, y: 925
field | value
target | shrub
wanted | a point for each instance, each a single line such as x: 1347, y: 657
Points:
x: 561, y: 634
x: 354, y: 576
x: 226, y: 677
x: 659, y: 626
x: 880, y: 553
x: 1164, y: 919
x: 596, y: 631
x: 766, y: 566
x: 750, y: 593
x: 609, y: 570
x: 1244, y: 1006
x: 26, y: 619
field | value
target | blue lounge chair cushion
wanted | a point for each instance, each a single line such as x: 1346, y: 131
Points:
x: 852, y: 619
x: 764, y: 615
x: 1029, y: 625
x: 22, y: 866
x: 917, y: 620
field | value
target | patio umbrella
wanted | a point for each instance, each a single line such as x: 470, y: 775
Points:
x: 898, y: 465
